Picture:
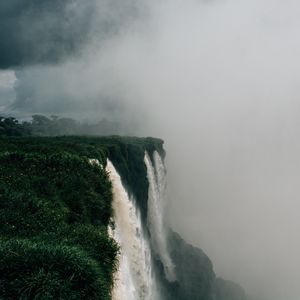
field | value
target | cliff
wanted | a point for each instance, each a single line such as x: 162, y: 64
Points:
x: 55, y: 207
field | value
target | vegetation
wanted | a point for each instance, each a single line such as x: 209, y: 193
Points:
x: 12, y: 127
x: 55, y: 207
x: 127, y: 154
x: 53, y: 126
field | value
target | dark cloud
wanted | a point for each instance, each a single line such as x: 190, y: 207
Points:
x: 48, y: 31
x: 43, y: 31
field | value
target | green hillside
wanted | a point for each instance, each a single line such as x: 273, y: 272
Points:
x: 55, y: 207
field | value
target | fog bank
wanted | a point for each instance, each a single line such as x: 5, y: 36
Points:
x: 220, y: 83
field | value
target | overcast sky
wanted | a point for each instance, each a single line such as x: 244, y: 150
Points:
x: 219, y: 81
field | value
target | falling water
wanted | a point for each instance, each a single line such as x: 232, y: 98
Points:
x: 156, y: 199
x: 134, y: 279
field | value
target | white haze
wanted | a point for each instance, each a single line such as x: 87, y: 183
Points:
x: 219, y: 81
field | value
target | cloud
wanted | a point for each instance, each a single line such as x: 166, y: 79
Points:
x: 51, y: 31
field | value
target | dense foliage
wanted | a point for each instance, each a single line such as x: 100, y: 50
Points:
x: 41, y: 125
x: 127, y: 154
x: 55, y: 207
x: 12, y: 127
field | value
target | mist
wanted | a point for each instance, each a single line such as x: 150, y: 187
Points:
x: 219, y: 82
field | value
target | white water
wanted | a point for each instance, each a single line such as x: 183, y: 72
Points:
x: 134, y: 279
x: 156, y: 200
x: 96, y: 162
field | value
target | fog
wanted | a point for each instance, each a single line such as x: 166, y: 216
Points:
x: 219, y: 82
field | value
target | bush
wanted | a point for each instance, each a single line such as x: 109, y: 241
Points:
x: 97, y: 244
x: 30, y: 270
x: 25, y: 215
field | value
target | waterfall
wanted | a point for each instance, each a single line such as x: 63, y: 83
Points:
x: 156, y: 174
x: 134, y: 279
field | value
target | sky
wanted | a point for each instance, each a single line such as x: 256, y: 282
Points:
x: 218, y: 80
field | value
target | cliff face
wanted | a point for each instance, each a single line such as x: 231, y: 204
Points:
x: 194, y: 270
x: 55, y: 206
x: 195, y: 277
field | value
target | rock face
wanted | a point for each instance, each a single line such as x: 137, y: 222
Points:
x: 228, y: 290
x: 194, y: 271
x: 194, y: 277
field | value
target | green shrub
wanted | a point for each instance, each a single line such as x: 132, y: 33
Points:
x: 30, y: 270
x: 96, y: 242
x: 23, y: 214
